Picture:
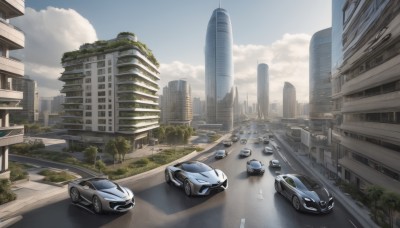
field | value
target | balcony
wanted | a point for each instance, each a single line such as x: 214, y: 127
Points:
x: 12, y: 66
x: 70, y: 76
x: 11, y: 94
x: 139, y: 64
x: 12, y: 35
x: 14, y: 8
x: 134, y: 52
x: 71, y: 89
x: 373, y: 103
x: 388, y: 132
x: 11, y: 135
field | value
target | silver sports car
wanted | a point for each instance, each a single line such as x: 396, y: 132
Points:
x: 102, y: 194
x: 305, y: 193
x: 196, y: 178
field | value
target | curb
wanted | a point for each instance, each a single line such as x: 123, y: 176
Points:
x: 353, y: 209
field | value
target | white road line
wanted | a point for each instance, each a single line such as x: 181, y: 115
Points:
x: 260, y: 195
x: 352, y: 223
x: 242, y: 222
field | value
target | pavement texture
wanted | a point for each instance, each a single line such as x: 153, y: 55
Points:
x: 35, y: 190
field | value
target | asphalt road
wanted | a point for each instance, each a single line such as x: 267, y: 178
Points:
x: 250, y: 201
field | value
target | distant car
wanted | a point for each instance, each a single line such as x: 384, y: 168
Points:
x: 102, y: 194
x: 274, y: 164
x: 245, y: 152
x: 243, y: 141
x: 266, y: 141
x: 227, y: 142
x: 235, y: 139
x: 196, y: 178
x: 268, y: 150
x: 220, y: 154
x: 305, y: 193
x: 255, y: 167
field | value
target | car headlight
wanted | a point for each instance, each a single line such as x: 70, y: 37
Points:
x: 330, y: 198
x: 201, y: 181
x: 308, y: 199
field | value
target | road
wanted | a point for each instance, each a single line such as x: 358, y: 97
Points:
x: 250, y: 201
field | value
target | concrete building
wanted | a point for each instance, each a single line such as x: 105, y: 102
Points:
x: 57, y: 104
x: 236, y: 108
x: 366, y: 94
x: 178, y: 107
x: 11, y: 38
x: 111, y: 90
x: 320, y: 88
x: 30, y: 102
x: 289, y: 101
x: 262, y: 91
x: 219, y: 76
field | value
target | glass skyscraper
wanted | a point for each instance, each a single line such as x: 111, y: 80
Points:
x: 262, y: 91
x: 289, y: 101
x: 219, y: 70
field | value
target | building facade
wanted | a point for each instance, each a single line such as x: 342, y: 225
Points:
x: 366, y: 93
x: 11, y: 38
x: 219, y: 76
x: 289, y: 101
x: 262, y: 91
x: 30, y: 103
x: 320, y: 91
x: 111, y: 90
x: 179, y: 103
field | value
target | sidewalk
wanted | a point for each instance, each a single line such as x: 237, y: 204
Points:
x: 32, y: 191
x: 360, y: 212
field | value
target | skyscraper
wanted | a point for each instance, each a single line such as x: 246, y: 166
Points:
x: 111, y: 90
x: 11, y: 38
x: 262, y: 91
x: 179, y: 103
x: 289, y: 101
x: 219, y: 70
x: 30, y: 103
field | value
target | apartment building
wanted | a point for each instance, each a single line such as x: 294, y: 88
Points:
x: 110, y: 90
x: 11, y: 38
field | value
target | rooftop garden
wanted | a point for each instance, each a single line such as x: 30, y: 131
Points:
x: 102, y: 46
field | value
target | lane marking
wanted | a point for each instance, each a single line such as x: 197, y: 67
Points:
x: 242, y: 222
x: 352, y: 224
x: 260, y: 195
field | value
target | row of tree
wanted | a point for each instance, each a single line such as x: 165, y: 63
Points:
x: 117, y: 148
x: 173, y: 134
x: 385, y: 201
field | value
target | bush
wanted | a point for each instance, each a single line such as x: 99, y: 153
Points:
x: 140, y: 163
x: 6, y: 195
x: 17, y: 172
x: 56, y: 177
x: 121, y: 171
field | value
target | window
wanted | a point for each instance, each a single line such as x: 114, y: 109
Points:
x: 109, y: 113
x: 88, y: 121
x: 88, y: 100
x: 102, y: 128
x: 109, y: 70
x: 101, y: 86
x: 101, y: 93
x: 101, y: 100
x: 88, y: 94
x: 88, y: 87
x: 101, y: 79
x: 109, y: 62
x: 109, y: 92
x: 102, y: 114
x: 290, y: 181
x: 88, y: 114
x: 110, y: 106
x: 109, y: 78
x: 109, y: 128
x: 88, y: 73
x: 101, y: 64
x: 109, y: 85
x: 100, y: 71
x: 102, y: 121
x: 88, y: 65
x: 88, y: 107
x: 101, y: 107
x: 88, y: 80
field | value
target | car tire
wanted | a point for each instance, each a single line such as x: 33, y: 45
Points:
x: 74, y: 195
x: 97, y: 207
x: 296, y: 203
x: 187, y: 188
x: 167, y: 177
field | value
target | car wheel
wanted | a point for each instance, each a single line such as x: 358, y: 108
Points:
x: 186, y: 186
x: 296, y: 203
x: 167, y: 177
x: 97, y: 205
x: 74, y: 195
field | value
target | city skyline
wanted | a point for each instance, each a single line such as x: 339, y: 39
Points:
x: 279, y: 45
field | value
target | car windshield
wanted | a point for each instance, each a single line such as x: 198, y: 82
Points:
x: 220, y: 152
x: 308, y: 183
x: 195, y: 167
x: 255, y: 164
x: 101, y: 184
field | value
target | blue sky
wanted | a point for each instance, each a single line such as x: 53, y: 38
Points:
x: 263, y: 30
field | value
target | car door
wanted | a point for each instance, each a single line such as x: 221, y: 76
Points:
x: 87, y: 190
x: 288, y: 187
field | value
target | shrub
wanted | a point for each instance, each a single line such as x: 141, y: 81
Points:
x: 54, y: 176
x: 121, y: 171
x: 6, y: 195
x: 17, y: 172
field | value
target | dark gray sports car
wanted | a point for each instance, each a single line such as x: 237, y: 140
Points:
x: 305, y: 193
x: 102, y: 194
x: 196, y: 178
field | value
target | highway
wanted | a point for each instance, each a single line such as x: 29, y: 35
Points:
x: 250, y: 201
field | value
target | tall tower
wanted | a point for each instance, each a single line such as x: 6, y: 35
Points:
x: 262, y: 91
x: 219, y: 70
x: 11, y: 38
x: 289, y: 101
x: 179, y: 104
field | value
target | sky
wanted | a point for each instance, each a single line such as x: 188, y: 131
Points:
x: 276, y: 32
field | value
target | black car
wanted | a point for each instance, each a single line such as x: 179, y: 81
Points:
x: 255, y: 166
x: 305, y: 193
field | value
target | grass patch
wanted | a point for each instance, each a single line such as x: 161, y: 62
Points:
x: 56, y: 177
x: 147, y: 163
x: 18, y: 171
x: 6, y: 194
x: 215, y: 137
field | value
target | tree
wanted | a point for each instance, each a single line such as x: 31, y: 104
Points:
x: 100, y: 165
x: 123, y: 146
x: 111, y: 149
x: 374, y: 193
x: 391, y: 201
x: 90, y: 154
x: 180, y: 135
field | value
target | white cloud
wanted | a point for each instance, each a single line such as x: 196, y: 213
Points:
x: 287, y: 59
x: 48, y: 34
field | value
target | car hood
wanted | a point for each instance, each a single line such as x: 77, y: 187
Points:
x: 118, y: 193
x: 320, y: 194
x: 213, y: 177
